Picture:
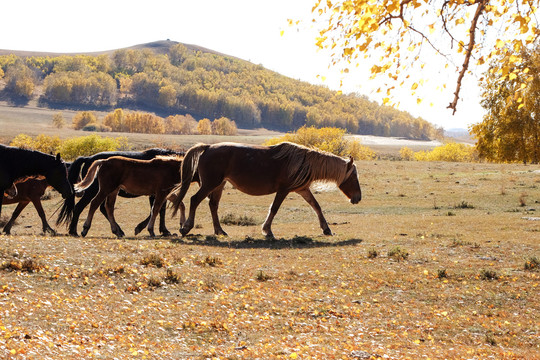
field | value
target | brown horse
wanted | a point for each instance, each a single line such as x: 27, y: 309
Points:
x: 262, y: 170
x: 138, y: 177
x: 23, y: 192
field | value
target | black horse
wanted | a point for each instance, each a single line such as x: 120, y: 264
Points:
x: 16, y: 163
x: 70, y: 212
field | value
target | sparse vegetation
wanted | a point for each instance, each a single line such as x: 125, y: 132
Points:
x: 532, y: 264
x: 302, y: 292
x: 398, y: 254
x: 488, y: 274
x: 153, y: 260
x: 235, y: 219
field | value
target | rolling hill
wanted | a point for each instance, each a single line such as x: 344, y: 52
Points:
x: 167, y: 77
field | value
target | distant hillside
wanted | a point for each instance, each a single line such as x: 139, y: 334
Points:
x: 167, y: 77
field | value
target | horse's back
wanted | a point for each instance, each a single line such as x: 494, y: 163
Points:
x: 251, y: 168
x: 28, y: 190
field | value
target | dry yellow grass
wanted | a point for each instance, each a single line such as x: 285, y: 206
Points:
x: 456, y: 289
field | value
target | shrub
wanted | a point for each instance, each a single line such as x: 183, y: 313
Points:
x: 224, y: 126
x: 83, y: 118
x: 97, y: 127
x: 43, y: 143
x: 450, y: 152
x: 327, y: 139
x: 58, y: 120
x: 204, y: 127
x: 91, y: 144
x: 406, y: 154
x: 181, y: 124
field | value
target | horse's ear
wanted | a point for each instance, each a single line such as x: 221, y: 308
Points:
x: 58, y: 157
x: 351, y: 162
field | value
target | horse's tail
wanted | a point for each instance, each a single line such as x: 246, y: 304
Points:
x: 90, y: 176
x: 188, y: 171
x: 74, y: 170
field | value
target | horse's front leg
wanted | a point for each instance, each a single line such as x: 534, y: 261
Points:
x: 308, y: 196
x: 44, y: 224
x: 20, y: 207
x: 162, y: 216
x: 109, y: 206
x: 1, y: 200
x: 278, y: 200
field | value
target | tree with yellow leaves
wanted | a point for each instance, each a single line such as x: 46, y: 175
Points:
x: 393, y: 35
x: 510, y: 131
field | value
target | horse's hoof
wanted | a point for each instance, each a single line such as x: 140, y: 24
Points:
x: 184, y: 232
x: 327, y: 232
x: 84, y: 232
x: 138, y: 230
x: 166, y: 233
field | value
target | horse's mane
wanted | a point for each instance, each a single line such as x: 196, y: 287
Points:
x: 306, y: 165
x: 172, y: 157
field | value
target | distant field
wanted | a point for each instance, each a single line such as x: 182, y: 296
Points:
x: 436, y: 262
x: 33, y: 120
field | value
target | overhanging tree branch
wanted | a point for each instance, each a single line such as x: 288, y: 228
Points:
x: 468, y: 53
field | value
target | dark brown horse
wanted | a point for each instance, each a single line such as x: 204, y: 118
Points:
x: 18, y: 163
x: 262, y: 170
x: 70, y: 212
x: 23, y: 192
x: 138, y: 177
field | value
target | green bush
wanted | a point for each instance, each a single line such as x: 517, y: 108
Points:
x: 91, y: 144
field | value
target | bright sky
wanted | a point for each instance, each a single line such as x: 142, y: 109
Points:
x: 247, y: 29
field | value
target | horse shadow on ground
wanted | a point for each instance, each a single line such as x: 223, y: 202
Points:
x: 296, y: 242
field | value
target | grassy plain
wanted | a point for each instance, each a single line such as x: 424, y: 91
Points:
x: 430, y: 265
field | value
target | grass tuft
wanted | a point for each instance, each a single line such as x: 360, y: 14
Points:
x: 398, y: 254
x: 532, y: 264
x: 234, y: 219
x: 153, y: 260
x: 488, y: 275
x: 463, y: 205
x: 372, y: 254
x: 27, y: 265
x: 262, y: 276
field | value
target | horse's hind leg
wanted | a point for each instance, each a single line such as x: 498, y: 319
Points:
x: 20, y: 207
x: 196, y: 199
x: 278, y: 200
x: 156, y: 208
x: 215, y: 197
x: 44, y: 224
x: 308, y: 196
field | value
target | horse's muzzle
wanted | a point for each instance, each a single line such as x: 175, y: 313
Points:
x: 356, y: 199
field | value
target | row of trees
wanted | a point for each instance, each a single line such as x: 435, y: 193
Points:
x: 147, y: 123
x: 205, y: 85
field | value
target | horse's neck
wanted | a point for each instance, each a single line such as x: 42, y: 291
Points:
x: 33, y: 163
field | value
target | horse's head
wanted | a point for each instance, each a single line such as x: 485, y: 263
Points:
x: 57, y: 177
x: 350, y: 186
